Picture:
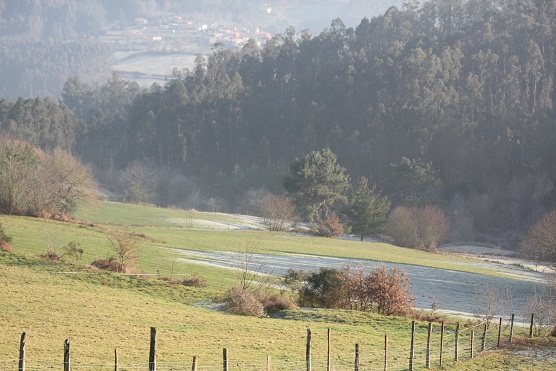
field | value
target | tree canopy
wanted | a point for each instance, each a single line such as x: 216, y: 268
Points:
x: 317, y: 184
x: 366, y: 209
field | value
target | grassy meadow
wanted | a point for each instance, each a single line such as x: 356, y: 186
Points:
x: 99, y: 312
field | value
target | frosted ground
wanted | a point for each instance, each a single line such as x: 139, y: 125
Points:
x: 450, y: 291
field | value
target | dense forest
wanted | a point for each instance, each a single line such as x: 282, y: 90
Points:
x: 43, y: 42
x: 459, y: 92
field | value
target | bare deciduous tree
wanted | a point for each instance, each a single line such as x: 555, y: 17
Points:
x: 420, y: 228
x: 543, y: 305
x: 540, y: 242
x: 138, y: 182
x: 42, y: 184
x: 278, y: 212
x: 124, y: 246
x: 492, y: 302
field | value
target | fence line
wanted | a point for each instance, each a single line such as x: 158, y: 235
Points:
x: 440, y: 344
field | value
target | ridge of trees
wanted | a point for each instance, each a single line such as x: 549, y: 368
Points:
x: 463, y: 87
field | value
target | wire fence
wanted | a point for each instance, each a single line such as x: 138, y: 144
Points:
x: 437, y: 345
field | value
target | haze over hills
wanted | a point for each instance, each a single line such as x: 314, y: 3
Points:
x: 43, y: 43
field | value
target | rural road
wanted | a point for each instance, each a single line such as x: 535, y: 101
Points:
x: 452, y: 291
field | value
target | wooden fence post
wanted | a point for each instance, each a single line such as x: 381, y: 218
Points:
x: 308, y: 351
x: 21, y: 366
x: 472, y: 338
x: 67, y: 365
x: 385, y: 352
x: 356, y: 364
x: 225, y: 359
x: 328, y: 360
x: 428, y: 356
x: 195, y: 363
x: 512, y: 328
x: 441, y: 342
x: 267, y: 363
x: 499, y: 333
x: 456, y: 355
x: 116, y: 366
x: 152, y: 350
x: 532, y: 325
x: 483, y: 340
x: 412, y: 348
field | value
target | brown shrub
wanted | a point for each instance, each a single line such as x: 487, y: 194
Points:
x: 4, y: 240
x: 389, y: 290
x: 107, y: 264
x: 386, y: 290
x: 4, y: 246
x: 194, y: 281
x: 329, y: 226
x: 244, y: 302
x: 276, y: 303
x: 419, y: 228
x: 51, y: 255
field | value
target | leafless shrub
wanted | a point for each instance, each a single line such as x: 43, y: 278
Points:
x: 52, y: 256
x: 403, y: 227
x: 124, y: 246
x: 543, y: 305
x: 138, y: 182
x: 193, y: 281
x: 244, y: 302
x: 275, y: 303
x: 250, y: 269
x: 255, y: 294
x: 540, y: 242
x: 420, y: 228
x: 107, y: 264
x: 278, y: 212
x: 491, y: 302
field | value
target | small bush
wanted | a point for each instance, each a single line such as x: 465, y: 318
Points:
x: 329, y: 227
x: 51, y: 255
x: 4, y: 240
x: 276, y: 303
x: 193, y: 281
x: 323, y: 289
x: 244, y: 302
x: 107, y: 264
x: 390, y: 291
x: 385, y: 290
x: 295, y: 279
x: 72, y: 252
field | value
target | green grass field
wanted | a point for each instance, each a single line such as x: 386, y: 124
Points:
x: 100, y: 312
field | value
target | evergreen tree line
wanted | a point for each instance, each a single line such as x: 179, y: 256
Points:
x: 459, y: 92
